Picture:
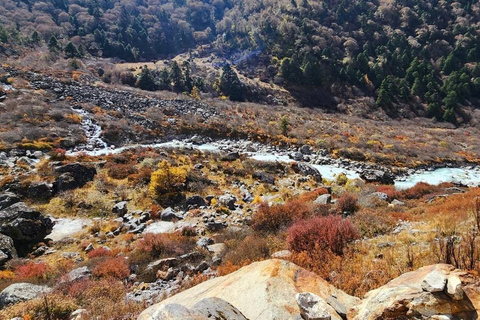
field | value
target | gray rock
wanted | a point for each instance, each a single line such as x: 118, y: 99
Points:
x: 305, y: 149
x: 372, y: 175
x: 40, y: 191
x: 216, y: 308
x: 7, y: 249
x: 323, y: 199
x: 454, y: 288
x: 73, y: 175
x: 204, y: 242
x: 169, y: 214
x: 174, y: 312
x: 195, y: 201
x: 37, y: 154
x: 79, y: 314
x: 19, y: 292
x: 434, y: 282
x: 378, y: 195
x: 77, y: 274
x: 339, y: 307
x: 297, y: 156
x: 307, y: 170
x: 264, y: 177
x: 7, y: 199
x: 24, y: 225
x: 312, y: 306
x: 228, y: 200
x: 283, y: 254
x: 232, y: 156
x: 120, y: 208
x: 397, y: 203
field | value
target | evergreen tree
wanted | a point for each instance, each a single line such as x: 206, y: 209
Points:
x: 176, y: 76
x: 188, y: 80
x: 35, y: 37
x: 3, y: 35
x: 449, y: 115
x: 53, y: 44
x: 230, y: 85
x: 146, y: 81
x: 71, y: 51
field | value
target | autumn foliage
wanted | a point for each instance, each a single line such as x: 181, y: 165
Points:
x: 331, y: 232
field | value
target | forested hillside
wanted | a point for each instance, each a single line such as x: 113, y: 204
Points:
x: 420, y: 55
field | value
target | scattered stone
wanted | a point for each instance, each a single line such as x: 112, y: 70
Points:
x: 232, y: 156
x: 169, y: 214
x: 307, y: 170
x: 7, y: 199
x: 205, y: 242
x: 305, y: 149
x: 195, y: 201
x: 24, y: 225
x: 77, y: 274
x: 19, y: 292
x: 397, y: 203
x: 323, y: 199
x: 218, y: 249
x: 378, y: 195
x: 263, y: 177
x: 228, y: 200
x: 283, y: 254
x: 120, y: 208
x: 89, y: 248
x: 434, y: 282
x: 454, y: 288
x: 79, y: 314
x: 40, y: 191
x: 73, y: 175
x: 372, y: 175
x: 312, y: 306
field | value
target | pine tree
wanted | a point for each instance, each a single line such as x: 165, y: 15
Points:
x: 176, y: 76
x: 146, y: 81
x: 53, y: 44
x: 35, y: 37
x: 383, y: 99
x: 230, y: 85
x: 71, y: 51
x: 284, y: 125
x: 3, y: 35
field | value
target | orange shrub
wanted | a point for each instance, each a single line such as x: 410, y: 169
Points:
x: 112, y: 268
x: 272, y: 218
x: 331, y: 232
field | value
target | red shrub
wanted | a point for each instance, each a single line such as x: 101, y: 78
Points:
x: 272, y: 218
x: 347, y: 203
x: 331, y: 232
x: 390, y: 191
x: 58, y: 154
x: 31, y: 270
x: 99, y: 252
x: 165, y: 244
x: 419, y: 190
x: 112, y: 267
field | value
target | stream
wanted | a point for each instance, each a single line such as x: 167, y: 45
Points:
x: 328, y: 167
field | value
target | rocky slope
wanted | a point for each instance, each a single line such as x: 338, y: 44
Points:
x: 276, y: 289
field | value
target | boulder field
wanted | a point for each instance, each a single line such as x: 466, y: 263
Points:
x: 278, y: 289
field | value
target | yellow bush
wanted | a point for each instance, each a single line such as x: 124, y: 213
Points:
x: 167, y: 179
x: 7, y: 274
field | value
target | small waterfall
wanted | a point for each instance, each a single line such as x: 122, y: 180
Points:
x: 92, y: 131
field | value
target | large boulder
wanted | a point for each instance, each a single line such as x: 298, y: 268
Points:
x: 195, y: 201
x: 423, y: 294
x: 24, y: 225
x: 7, y: 199
x: 307, y: 170
x: 73, y: 175
x: 7, y: 249
x: 40, y: 191
x: 19, y: 292
x: 380, y: 176
x: 261, y: 290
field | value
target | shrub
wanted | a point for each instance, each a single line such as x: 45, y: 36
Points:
x: 272, y: 218
x: 58, y: 154
x: 52, y: 306
x: 331, y: 232
x: 99, y: 252
x: 419, y: 190
x: 251, y: 248
x: 347, y: 204
x: 167, y: 179
x: 31, y: 270
x: 371, y: 223
x: 112, y: 267
x: 120, y: 171
x: 165, y: 244
x: 390, y: 191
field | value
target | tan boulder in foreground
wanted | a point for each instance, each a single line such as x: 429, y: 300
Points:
x: 262, y: 290
x: 432, y: 292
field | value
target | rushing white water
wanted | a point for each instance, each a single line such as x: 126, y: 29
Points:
x: 464, y: 176
x: 95, y: 146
